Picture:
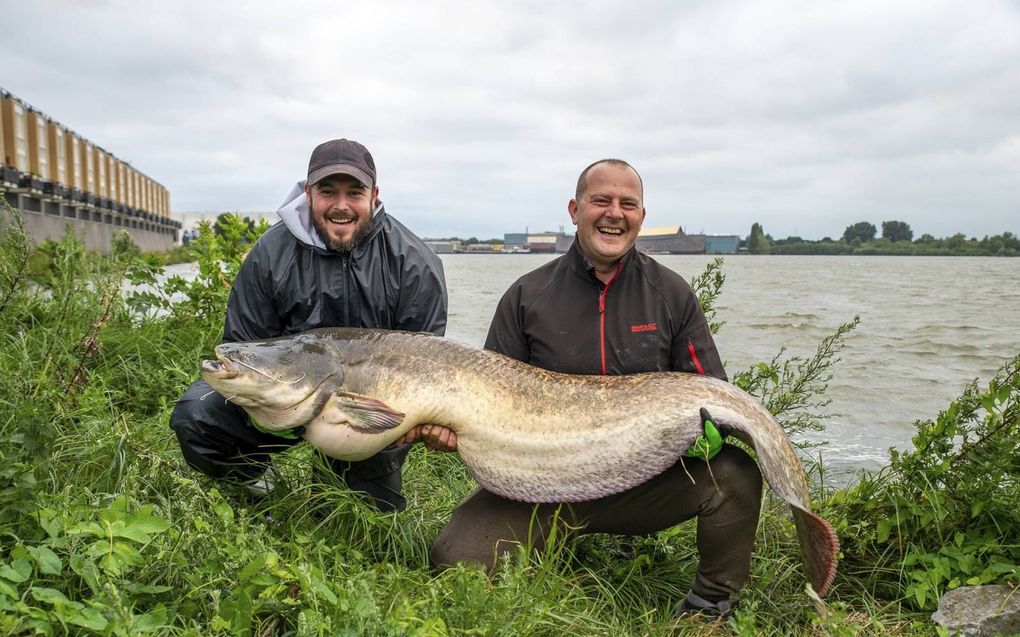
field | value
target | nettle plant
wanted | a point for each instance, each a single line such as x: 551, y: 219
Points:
x: 81, y: 573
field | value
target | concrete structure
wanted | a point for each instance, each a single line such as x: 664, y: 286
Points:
x: 57, y: 179
x: 47, y: 217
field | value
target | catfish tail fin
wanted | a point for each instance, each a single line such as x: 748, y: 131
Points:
x: 820, y: 547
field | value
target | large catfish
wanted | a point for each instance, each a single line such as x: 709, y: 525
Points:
x: 523, y: 432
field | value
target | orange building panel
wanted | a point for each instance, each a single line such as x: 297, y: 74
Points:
x: 38, y: 145
x: 58, y: 152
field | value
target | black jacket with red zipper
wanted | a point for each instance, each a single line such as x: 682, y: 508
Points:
x: 562, y: 318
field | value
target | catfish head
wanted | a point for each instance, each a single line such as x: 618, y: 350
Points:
x: 281, y: 382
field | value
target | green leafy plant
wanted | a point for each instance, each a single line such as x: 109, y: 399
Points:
x: 707, y: 286
x: 37, y: 584
x: 945, y: 513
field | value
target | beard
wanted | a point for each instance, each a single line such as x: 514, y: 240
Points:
x: 346, y: 246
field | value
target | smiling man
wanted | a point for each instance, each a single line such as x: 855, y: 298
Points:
x: 336, y: 259
x: 342, y: 204
x: 608, y: 213
x: 605, y: 308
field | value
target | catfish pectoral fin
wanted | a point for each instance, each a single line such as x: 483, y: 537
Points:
x: 362, y: 413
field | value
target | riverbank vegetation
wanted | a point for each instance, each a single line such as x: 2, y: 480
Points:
x: 896, y: 239
x: 105, y: 531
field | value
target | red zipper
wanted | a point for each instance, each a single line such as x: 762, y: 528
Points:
x: 694, y: 357
x: 602, y: 315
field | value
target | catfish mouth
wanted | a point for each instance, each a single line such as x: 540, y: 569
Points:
x: 221, y: 368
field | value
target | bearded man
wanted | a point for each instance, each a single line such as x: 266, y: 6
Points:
x: 336, y: 259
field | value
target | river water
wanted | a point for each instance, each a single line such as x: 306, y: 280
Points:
x: 929, y: 325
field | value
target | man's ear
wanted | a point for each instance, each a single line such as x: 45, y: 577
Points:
x: 572, y: 209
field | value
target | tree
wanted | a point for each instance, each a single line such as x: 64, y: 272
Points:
x: 897, y: 231
x: 956, y: 241
x: 756, y: 242
x: 862, y: 232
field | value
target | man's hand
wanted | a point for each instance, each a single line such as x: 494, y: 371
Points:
x: 435, y: 437
x: 709, y: 443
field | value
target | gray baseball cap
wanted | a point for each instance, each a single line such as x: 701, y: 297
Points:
x: 341, y: 157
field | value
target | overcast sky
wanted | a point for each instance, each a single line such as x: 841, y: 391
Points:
x: 803, y: 116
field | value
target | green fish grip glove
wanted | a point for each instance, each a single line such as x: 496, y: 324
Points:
x: 709, y: 443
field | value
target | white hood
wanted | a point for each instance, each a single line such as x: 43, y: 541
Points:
x: 298, y: 219
x: 296, y: 216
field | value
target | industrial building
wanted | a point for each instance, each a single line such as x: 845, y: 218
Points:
x: 669, y: 240
x: 537, y: 242
x: 443, y: 246
x: 721, y: 244
x: 662, y: 240
x: 56, y: 178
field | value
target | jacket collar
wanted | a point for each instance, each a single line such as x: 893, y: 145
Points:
x: 580, y: 264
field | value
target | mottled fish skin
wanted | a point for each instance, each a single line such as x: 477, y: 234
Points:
x: 524, y: 433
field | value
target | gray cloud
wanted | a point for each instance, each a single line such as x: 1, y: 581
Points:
x: 803, y: 116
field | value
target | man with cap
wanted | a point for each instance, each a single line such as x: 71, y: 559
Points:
x: 336, y: 259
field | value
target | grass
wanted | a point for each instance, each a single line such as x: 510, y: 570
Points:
x: 105, y: 531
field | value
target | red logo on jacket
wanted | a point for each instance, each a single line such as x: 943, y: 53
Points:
x: 647, y: 327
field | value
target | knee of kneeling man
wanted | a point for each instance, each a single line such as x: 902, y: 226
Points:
x: 185, y: 417
x: 181, y: 426
x: 446, y: 553
x: 441, y: 554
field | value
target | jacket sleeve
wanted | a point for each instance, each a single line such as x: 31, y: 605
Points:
x: 693, y: 349
x: 423, y: 298
x: 251, y: 313
x: 506, y: 331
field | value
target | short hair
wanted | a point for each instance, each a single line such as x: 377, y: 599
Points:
x: 582, y: 181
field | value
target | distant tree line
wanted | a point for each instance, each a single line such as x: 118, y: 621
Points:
x: 897, y: 238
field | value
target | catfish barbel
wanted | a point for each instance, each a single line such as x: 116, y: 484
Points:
x: 523, y: 432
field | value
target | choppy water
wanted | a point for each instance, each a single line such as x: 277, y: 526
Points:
x: 929, y: 325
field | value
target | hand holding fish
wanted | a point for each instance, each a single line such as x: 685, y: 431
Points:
x: 434, y: 437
